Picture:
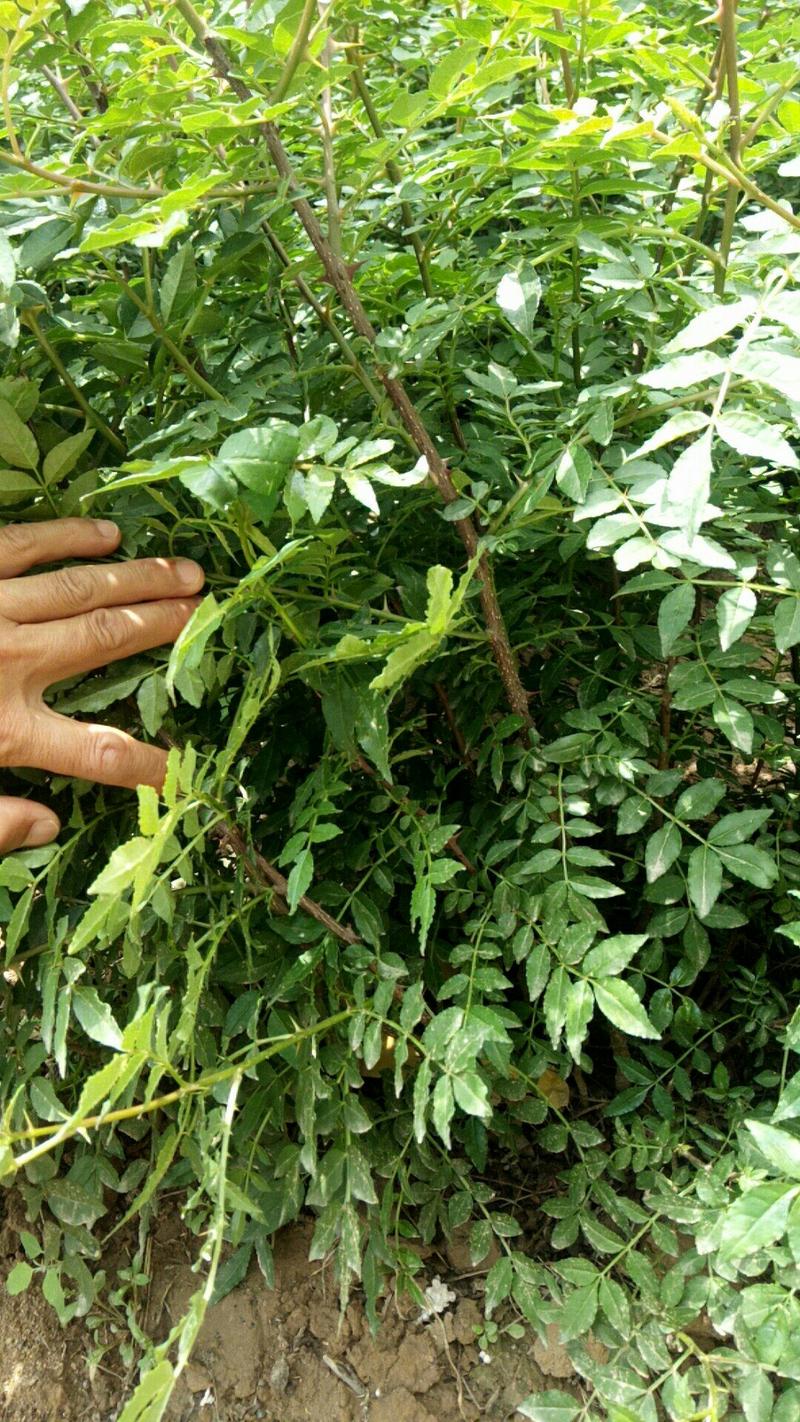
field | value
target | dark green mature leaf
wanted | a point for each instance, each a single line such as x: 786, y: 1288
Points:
x: 704, y: 879
x: 17, y: 444
x: 674, y: 615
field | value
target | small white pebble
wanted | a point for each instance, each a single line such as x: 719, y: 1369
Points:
x: 484, y: 1356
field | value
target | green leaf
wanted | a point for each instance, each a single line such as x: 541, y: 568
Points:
x: 736, y: 828
x: 674, y: 614
x: 786, y: 623
x: 748, y: 434
x: 700, y: 799
x: 404, y: 660
x: 316, y: 485
x: 549, y: 1406
x: 735, y: 722
x: 151, y: 1395
x: 735, y: 610
x: 709, y: 326
x: 16, y: 487
x: 261, y: 457
x: 689, y: 484
x: 755, y: 1394
x: 443, y: 1108
x: 61, y: 460
x: 580, y: 1008
x: 8, y: 266
x: 177, y: 283
x: 555, y: 1004
x: 17, y: 444
x: 662, y: 850
x: 498, y: 1284
x: 747, y: 862
x: 573, y: 472
x: 779, y: 1147
x: 122, y: 867
x: 299, y: 880
x: 518, y: 296
x: 439, y: 582
x: 613, y: 954
x: 704, y: 879
x: 448, y: 71
x: 685, y: 371
x: 757, y: 1218
x: 472, y: 1095
x: 578, y: 1313
x: 19, y: 1278
x: 96, y: 1017
x: 619, y: 1003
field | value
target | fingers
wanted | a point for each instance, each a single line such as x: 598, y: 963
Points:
x: 98, y: 753
x: 25, y: 825
x: 71, y: 591
x: 74, y: 645
x: 22, y: 545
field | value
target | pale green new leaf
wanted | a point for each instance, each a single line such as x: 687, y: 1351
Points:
x: 786, y: 623
x: 518, y: 296
x: 711, y: 325
x: 780, y: 1148
x: 748, y: 434
x: 620, y: 1004
x: 735, y: 611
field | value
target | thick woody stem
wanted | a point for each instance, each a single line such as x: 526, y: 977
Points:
x: 339, y: 278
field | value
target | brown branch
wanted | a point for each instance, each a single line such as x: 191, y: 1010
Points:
x: 455, y: 729
x: 566, y: 67
x: 337, y: 274
x: 263, y: 873
x: 400, y: 799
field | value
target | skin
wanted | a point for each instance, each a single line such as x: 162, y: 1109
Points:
x: 55, y: 625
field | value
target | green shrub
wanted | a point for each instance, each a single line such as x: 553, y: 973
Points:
x: 485, y: 734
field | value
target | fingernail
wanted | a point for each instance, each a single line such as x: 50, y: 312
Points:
x: 41, y: 832
x: 106, y: 529
x: 188, y: 573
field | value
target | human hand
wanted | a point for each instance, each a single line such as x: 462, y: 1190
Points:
x: 60, y: 624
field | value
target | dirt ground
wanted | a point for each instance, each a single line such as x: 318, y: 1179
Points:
x: 277, y: 1355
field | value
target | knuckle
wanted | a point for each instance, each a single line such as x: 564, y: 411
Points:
x: 74, y: 587
x: 19, y: 538
x: 109, y: 755
x: 107, y: 628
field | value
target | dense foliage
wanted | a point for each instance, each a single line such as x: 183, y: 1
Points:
x: 477, y: 860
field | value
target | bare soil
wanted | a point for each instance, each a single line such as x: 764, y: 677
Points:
x: 276, y: 1355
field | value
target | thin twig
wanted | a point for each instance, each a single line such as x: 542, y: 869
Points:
x: 394, y: 173
x: 55, y: 360
x: 407, y: 804
x: 339, y: 277
x: 731, y: 65
x: 263, y: 873
x: 566, y: 67
x: 328, y: 164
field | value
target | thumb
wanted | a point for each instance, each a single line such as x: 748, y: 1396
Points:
x: 25, y: 825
